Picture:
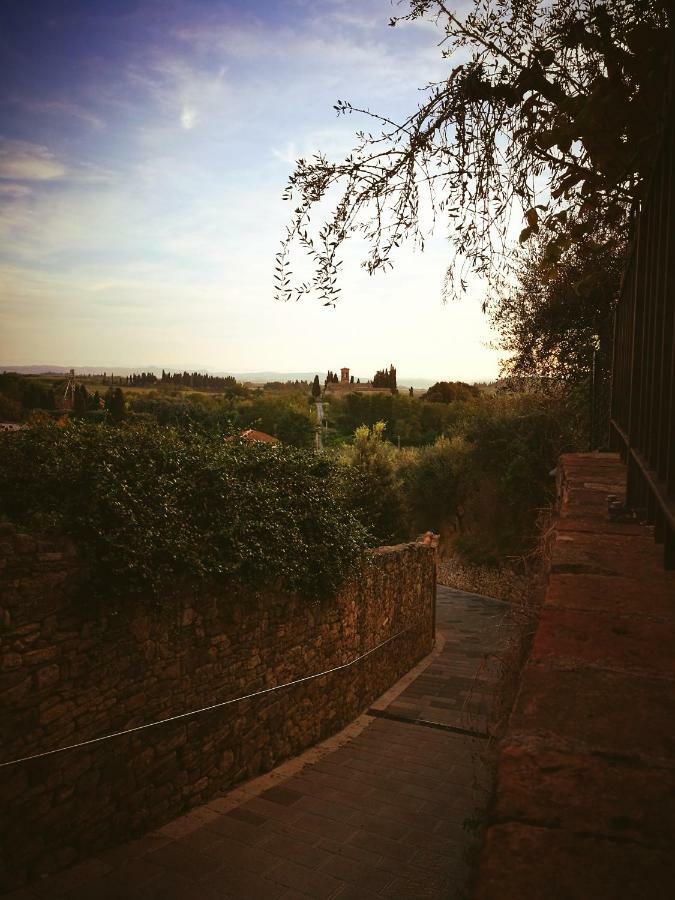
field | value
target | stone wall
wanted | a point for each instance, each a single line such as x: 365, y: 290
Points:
x: 71, y: 673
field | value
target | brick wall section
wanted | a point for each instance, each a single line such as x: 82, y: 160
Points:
x: 69, y: 674
x: 585, y: 798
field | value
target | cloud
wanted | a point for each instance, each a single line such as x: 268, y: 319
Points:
x: 333, y: 142
x: 24, y: 161
x: 288, y: 154
x: 188, y: 117
x: 14, y: 191
x: 61, y: 107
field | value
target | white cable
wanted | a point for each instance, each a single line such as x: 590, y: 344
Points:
x: 194, y: 712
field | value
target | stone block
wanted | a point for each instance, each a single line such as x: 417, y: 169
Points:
x: 591, y: 708
x: 521, y: 861
x: 55, y: 711
x: 11, y: 661
x: 47, y: 677
x: 629, y: 642
x: 40, y: 656
x: 618, y: 594
x: 622, y: 799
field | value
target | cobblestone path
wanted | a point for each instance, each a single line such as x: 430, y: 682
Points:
x: 385, y: 809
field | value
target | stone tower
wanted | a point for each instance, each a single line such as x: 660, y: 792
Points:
x: 344, y: 376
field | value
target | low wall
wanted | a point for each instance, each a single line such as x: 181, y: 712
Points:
x: 585, y: 798
x: 68, y: 674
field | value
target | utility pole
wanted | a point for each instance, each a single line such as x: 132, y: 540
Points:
x: 319, y: 419
x: 71, y: 384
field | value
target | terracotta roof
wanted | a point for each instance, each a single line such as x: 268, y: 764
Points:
x: 252, y: 435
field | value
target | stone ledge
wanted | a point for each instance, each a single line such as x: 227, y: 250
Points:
x: 602, y: 710
x: 522, y: 862
x: 536, y: 783
x: 585, y: 797
x: 626, y: 642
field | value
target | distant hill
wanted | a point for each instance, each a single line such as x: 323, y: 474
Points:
x: 81, y: 370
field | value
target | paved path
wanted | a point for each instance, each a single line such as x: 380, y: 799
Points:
x: 379, y: 811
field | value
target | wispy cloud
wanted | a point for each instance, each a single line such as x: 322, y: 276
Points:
x: 188, y: 117
x: 66, y: 108
x: 25, y: 161
x: 13, y: 191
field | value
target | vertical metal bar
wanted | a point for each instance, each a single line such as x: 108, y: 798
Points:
x: 668, y: 469
x: 642, y: 402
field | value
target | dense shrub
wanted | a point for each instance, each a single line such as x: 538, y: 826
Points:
x: 155, y: 508
x: 451, y: 392
x: 19, y: 394
x: 377, y: 496
x: 483, y: 488
x: 516, y: 443
x: 435, y: 481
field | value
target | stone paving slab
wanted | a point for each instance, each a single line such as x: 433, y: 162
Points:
x: 379, y: 811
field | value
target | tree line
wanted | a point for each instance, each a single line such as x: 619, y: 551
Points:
x: 385, y: 378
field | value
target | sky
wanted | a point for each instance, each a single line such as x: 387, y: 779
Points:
x: 144, y: 149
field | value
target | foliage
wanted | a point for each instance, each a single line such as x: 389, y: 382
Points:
x: 385, y: 378
x: 408, y: 420
x: 19, y: 394
x: 451, y: 392
x: 516, y: 443
x: 154, y: 509
x: 295, y: 428
x: 284, y: 414
x: 195, y: 410
x: 377, y: 497
x: 558, y: 320
x: 280, y: 415
x: 316, y: 387
x: 550, y: 111
x: 11, y: 410
x: 201, y: 380
x: 80, y: 396
x: 435, y: 482
x: 484, y: 487
x: 115, y: 404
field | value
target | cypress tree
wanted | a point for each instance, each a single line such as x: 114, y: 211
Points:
x: 117, y: 406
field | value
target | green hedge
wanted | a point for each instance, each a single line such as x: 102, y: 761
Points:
x: 153, y: 509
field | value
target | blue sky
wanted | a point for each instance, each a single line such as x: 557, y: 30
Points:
x: 144, y: 148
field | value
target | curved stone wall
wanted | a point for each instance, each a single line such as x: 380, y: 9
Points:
x: 69, y: 674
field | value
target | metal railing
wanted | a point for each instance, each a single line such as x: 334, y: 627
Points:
x: 642, y: 417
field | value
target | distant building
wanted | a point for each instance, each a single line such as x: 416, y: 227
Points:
x: 346, y: 386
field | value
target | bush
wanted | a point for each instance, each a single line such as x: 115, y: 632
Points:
x: 435, y: 484
x: 376, y: 497
x: 296, y: 428
x: 516, y: 444
x: 154, y: 509
x: 484, y: 488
